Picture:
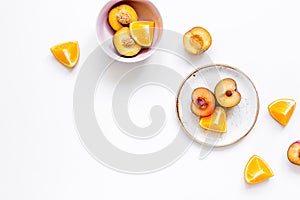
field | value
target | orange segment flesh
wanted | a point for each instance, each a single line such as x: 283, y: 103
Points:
x: 215, y: 122
x: 257, y: 170
x: 142, y: 32
x: 282, y: 109
x: 66, y: 53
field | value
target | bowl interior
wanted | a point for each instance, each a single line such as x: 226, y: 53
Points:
x: 146, y: 11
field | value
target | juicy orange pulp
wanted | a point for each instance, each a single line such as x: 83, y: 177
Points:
x: 215, y: 122
x: 282, y: 109
x: 66, y: 53
x: 142, y: 32
x: 257, y: 170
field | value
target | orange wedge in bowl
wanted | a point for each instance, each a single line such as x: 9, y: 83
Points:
x: 257, y: 170
x: 142, y: 32
x: 282, y: 109
x: 66, y: 53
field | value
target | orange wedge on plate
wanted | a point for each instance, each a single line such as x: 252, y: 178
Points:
x: 142, y: 32
x: 66, y: 53
x: 215, y: 122
x: 282, y: 109
x: 257, y: 170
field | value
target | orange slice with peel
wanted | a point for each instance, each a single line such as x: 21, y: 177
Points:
x: 257, y: 170
x: 142, y: 32
x: 282, y: 110
x: 215, y: 122
x: 66, y: 53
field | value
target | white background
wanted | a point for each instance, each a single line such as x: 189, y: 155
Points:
x: 41, y: 154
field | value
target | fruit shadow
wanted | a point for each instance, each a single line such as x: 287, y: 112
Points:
x: 272, y: 122
x: 206, y: 150
x: 253, y: 186
x: 210, y: 146
x: 294, y: 168
x: 193, y: 58
x: 59, y: 66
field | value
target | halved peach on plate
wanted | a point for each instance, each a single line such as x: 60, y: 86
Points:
x: 226, y: 93
x: 203, y: 102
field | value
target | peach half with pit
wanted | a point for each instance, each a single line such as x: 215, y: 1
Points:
x: 197, y: 40
x: 226, y: 93
x: 203, y: 102
x: 125, y: 44
x: 121, y: 16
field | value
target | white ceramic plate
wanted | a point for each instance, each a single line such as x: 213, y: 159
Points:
x: 239, y: 120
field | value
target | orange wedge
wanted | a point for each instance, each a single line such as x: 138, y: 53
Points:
x: 257, y: 170
x: 215, y: 122
x: 66, y: 53
x: 282, y: 109
x: 142, y: 32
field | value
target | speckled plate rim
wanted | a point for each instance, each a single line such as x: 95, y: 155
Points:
x: 210, y: 66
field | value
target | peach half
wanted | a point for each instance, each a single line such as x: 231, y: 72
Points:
x: 226, y: 93
x: 203, y: 102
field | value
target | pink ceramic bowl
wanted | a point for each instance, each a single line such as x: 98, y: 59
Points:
x: 146, y: 11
